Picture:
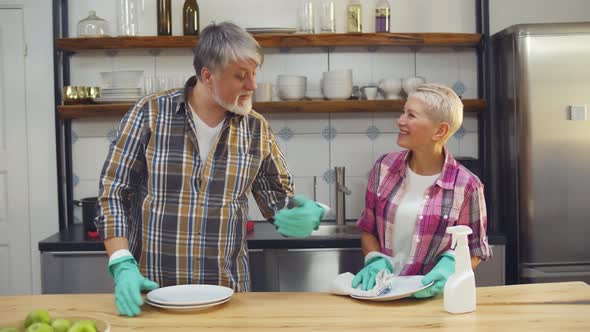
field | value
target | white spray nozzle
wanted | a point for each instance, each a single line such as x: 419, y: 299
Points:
x: 458, y: 231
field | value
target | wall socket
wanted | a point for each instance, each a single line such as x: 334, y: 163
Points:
x: 578, y: 113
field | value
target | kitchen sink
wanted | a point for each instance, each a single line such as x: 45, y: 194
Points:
x: 348, y: 230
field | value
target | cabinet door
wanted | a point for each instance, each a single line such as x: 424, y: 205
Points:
x: 264, y: 270
x: 15, y: 242
x: 313, y: 270
x: 492, y: 272
x: 75, y: 273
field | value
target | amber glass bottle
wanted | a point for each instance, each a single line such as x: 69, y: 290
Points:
x: 164, y: 17
x: 190, y: 18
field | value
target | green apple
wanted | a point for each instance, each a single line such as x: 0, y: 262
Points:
x: 8, y: 329
x: 83, y: 326
x: 37, y: 316
x: 39, y: 327
x: 61, y: 325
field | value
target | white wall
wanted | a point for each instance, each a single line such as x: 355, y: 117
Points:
x: 504, y: 13
x: 313, y: 144
x: 43, y: 208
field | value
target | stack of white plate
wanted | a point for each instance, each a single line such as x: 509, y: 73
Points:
x: 189, y: 297
x: 110, y: 95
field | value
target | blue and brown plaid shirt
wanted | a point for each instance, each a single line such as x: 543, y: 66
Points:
x: 185, y: 218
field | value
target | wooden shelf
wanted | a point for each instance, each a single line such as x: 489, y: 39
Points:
x: 278, y: 40
x: 310, y: 106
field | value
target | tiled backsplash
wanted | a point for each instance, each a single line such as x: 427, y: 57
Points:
x: 313, y: 144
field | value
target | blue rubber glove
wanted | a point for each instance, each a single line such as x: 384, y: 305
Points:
x: 439, y: 274
x: 128, y: 285
x: 301, y: 220
x: 366, y: 276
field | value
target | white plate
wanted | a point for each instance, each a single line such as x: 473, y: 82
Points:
x: 187, y: 307
x: 402, y: 286
x: 271, y: 30
x: 121, y: 89
x: 115, y: 100
x: 189, y: 295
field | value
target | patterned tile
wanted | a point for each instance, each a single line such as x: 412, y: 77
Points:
x: 75, y: 137
x: 329, y: 176
x: 329, y: 133
x: 111, y: 135
x: 285, y: 134
x: 373, y: 132
x: 459, y: 88
x: 460, y: 133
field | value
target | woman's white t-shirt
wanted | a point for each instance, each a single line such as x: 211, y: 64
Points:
x: 410, y: 206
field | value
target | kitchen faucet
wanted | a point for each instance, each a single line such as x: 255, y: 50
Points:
x: 341, y: 191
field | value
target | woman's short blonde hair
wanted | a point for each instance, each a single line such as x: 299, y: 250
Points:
x: 443, y: 104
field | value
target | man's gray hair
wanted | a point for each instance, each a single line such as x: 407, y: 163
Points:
x: 443, y: 104
x: 220, y: 44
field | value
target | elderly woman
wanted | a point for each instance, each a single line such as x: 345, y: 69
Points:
x: 414, y: 195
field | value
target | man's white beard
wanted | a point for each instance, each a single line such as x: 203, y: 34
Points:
x: 235, y: 107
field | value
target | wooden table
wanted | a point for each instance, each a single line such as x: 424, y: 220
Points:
x: 533, y: 307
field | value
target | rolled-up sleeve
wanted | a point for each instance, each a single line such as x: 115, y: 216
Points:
x: 122, y: 171
x: 273, y: 183
x: 367, y: 221
x: 473, y: 214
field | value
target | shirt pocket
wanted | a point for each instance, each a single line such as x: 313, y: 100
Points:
x: 443, y: 212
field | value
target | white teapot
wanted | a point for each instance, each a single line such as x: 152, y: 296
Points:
x: 391, y: 87
x: 411, y: 83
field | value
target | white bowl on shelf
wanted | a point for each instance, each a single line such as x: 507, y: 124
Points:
x: 410, y: 84
x: 337, y: 91
x: 338, y: 75
x: 291, y: 80
x: 291, y: 92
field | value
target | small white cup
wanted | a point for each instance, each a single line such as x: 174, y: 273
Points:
x: 263, y: 92
x: 370, y: 92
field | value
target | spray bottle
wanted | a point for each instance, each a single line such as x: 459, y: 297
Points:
x: 459, y: 293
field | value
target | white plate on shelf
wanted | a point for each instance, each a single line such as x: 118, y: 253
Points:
x: 189, y: 295
x: 115, y: 100
x: 271, y: 30
x: 187, y: 307
x: 402, y: 286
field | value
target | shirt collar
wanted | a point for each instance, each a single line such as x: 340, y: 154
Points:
x: 180, y: 104
x: 447, y: 175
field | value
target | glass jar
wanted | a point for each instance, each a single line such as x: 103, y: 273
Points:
x: 382, y: 16
x: 354, y: 17
x: 327, y: 19
x: 128, y: 17
x: 93, y: 26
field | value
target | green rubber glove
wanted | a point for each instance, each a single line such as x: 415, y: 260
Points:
x: 301, y: 220
x: 128, y: 285
x: 366, y: 276
x: 439, y: 274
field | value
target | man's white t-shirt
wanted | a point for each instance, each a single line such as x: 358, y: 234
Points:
x: 405, y: 217
x: 206, y: 136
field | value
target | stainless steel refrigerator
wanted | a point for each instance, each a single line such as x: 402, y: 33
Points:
x: 542, y: 148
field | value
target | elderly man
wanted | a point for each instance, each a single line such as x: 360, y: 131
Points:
x: 173, y: 191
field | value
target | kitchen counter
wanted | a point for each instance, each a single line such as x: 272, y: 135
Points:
x: 532, y: 307
x: 264, y: 236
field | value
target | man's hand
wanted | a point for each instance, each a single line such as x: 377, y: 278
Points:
x: 301, y: 220
x: 128, y: 285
